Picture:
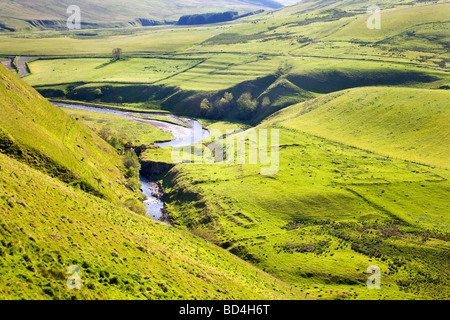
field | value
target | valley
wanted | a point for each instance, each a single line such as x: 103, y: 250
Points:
x: 358, y: 119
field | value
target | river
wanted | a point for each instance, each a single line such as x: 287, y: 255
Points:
x: 183, y: 136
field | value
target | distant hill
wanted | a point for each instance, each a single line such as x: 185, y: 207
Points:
x: 52, y: 14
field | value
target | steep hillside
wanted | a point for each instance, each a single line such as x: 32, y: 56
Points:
x: 48, y: 223
x: 37, y: 133
x: 46, y: 227
x: 51, y: 14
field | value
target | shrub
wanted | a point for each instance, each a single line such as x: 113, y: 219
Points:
x: 135, y: 206
x: 205, y: 107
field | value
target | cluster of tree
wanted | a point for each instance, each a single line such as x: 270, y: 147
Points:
x: 207, y: 18
x: 243, y: 108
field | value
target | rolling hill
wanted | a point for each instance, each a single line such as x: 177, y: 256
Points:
x: 406, y: 123
x: 363, y: 176
x: 51, y: 14
x: 275, y: 59
x: 48, y: 224
x: 362, y: 180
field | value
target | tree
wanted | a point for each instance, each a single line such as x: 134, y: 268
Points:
x: 98, y: 92
x: 228, y: 96
x: 117, y: 54
x: 205, y: 107
x: 246, y: 106
x: 265, y: 102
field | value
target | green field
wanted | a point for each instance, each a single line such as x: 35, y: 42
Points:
x: 136, y: 41
x: 279, y: 59
x: 363, y: 178
x: 71, y: 153
x: 103, y: 70
x: 50, y: 226
x: 136, y: 132
x: 49, y: 223
x: 307, y: 224
x: 403, y: 123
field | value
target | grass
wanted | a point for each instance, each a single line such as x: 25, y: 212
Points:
x: 49, y: 226
x: 272, y: 83
x: 223, y: 71
x: 70, y: 152
x: 141, y: 41
x: 341, y: 32
x: 403, y: 123
x: 129, y: 107
x: 363, y: 176
x: 279, y: 58
x: 137, y: 70
x: 137, y: 132
x: 19, y: 15
x: 332, y: 210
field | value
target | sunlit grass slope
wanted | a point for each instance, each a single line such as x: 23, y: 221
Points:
x: 334, y: 208
x: 137, y: 132
x: 102, y: 70
x: 410, y: 32
x: 406, y: 123
x: 46, y: 227
x: 38, y: 133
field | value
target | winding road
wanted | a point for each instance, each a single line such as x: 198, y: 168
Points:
x: 21, y: 67
x: 22, y: 72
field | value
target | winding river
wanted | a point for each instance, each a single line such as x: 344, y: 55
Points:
x: 183, y: 136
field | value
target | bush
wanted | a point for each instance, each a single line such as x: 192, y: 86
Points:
x: 135, y: 206
x: 205, y: 107
x: 131, y: 161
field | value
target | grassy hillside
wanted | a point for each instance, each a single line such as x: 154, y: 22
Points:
x: 103, y: 41
x: 363, y: 177
x: 413, y: 32
x: 102, y: 70
x: 179, y: 85
x: 39, y: 134
x: 48, y: 226
x: 404, y: 123
x: 334, y: 209
x: 22, y: 14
